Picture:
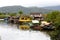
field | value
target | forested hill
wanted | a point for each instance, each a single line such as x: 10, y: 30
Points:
x: 53, y: 7
x: 15, y: 9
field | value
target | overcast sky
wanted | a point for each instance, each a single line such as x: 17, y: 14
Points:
x: 29, y: 3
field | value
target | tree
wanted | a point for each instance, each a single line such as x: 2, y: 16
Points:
x: 20, y: 12
x: 57, y: 22
x: 52, y: 16
x: 12, y: 14
x: 55, y: 18
x: 1, y: 13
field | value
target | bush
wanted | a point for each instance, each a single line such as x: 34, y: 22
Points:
x: 3, y: 16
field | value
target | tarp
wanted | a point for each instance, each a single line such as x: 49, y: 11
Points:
x: 35, y: 21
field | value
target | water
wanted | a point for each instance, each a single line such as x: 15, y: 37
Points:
x: 10, y: 32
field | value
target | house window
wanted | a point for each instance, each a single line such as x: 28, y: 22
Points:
x: 25, y: 18
x: 22, y: 18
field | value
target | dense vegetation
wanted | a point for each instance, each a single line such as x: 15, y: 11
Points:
x: 4, y: 15
x: 54, y: 17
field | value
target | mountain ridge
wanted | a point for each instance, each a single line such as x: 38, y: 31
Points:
x: 53, y: 7
x: 16, y: 9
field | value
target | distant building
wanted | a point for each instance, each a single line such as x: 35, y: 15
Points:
x: 37, y: 16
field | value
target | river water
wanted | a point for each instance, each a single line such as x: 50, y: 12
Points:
x: 11, y: 32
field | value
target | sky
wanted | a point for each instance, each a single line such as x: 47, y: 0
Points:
x: 29, y: 3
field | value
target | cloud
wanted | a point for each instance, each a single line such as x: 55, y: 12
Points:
x: 28, y: 3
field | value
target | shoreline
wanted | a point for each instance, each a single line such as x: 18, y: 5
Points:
x: 1, y: 19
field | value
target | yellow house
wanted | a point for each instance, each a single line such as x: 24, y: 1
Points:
x: 25, y: 18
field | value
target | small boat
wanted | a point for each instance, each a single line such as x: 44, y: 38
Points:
x: 6, y: 20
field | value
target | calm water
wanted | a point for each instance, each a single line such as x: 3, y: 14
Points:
x: 11, y: 32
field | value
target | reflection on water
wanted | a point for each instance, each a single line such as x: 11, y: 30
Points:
x: 4, y: 24
x: 9, y: 31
